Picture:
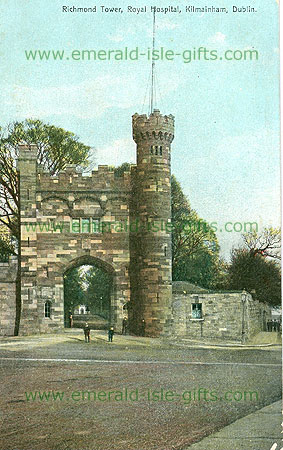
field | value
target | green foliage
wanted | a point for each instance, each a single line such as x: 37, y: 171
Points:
x: 7, y: 244
x: 125, y: 167
x: 252, y: 271
x: 90, y: 286
x: 98, y: 291
x: 194, y: 244
x: 56, y: 148
x: 74, y: 294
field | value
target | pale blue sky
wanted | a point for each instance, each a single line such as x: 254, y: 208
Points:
x: 226, y: 150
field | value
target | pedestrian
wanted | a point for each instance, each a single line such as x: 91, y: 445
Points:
x: 274, y: 325
x: 71, y: 320
x: 269, y: 325
x: 110, y: 334
x: 143, y: 327
x: 124, y: 325
x: 87, y: 332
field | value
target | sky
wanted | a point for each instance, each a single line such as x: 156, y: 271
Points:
x: 226, y: 148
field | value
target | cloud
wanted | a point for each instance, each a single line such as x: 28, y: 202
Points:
x: 85, y: 100
x: 218, y: 38
x: 166, y: 24
x: 121, y: 34
x: 117, y: 152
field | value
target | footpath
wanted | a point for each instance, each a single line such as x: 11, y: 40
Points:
x: 257, y: 431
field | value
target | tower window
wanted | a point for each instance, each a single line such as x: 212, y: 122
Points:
x: 165, y: 250
x: 156, y: 149
x: 151, y: 149
x: 160, y: 150
x: 47, y: 309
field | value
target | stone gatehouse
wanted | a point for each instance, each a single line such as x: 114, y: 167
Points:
x: 121, y: 224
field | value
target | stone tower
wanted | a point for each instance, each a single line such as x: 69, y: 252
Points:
x: 151, y: 268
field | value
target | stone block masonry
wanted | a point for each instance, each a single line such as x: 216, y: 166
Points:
x: 224, y: 316
x: 8, y: 274
x: 138, y: 262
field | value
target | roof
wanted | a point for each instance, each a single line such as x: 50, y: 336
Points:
x: 179, y: 287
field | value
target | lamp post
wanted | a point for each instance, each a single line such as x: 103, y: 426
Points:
x: 244, y: 300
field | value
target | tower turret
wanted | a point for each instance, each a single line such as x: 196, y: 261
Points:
x: 152, y: 271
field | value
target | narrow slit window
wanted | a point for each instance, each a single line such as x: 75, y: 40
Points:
x: 47, y: 309
x: 95, y: 225
x: 156, y: 149
x: 160, y: 150
x: 85, y: 225
x: 75, y: 225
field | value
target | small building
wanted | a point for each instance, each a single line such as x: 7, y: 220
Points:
x: 202, y: 314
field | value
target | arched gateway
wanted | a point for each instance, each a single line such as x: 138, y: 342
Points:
x: 118, y: 222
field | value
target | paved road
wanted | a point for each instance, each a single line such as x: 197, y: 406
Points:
x: 139, y: 394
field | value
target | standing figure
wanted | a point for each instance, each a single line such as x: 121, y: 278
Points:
x: 71, y: 319
x: 110, y: 334
x: 87, y: 332
x: 124, y: 325
x: 269, y: 325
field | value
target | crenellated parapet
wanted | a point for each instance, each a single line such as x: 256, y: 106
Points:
x: 153, y: 127
x: 69, y: 179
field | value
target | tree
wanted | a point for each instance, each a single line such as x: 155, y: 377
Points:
x: 125, y: 167
x: 56, y: 148
x: 267, y: 243
x: 195, y: 249
x: 253, y: 272
x: 98, y: 290
x: 74, y: 292
x: 7, y: 244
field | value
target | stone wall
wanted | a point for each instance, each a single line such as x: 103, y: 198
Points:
x: 8, y: 273
x: 256, y: 316
x: 231, y: 316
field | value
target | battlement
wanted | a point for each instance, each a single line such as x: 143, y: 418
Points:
x: 69, y: 179
x: 27, y: 151
x: 153, y: 127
